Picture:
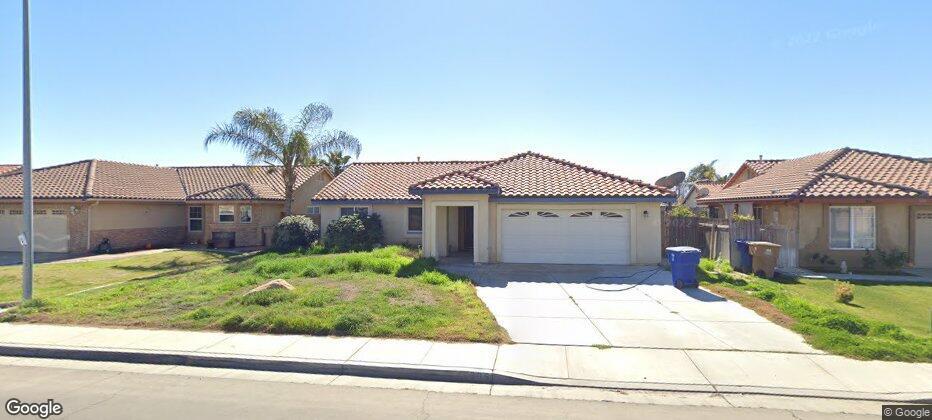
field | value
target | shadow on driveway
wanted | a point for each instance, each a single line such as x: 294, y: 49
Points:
x: 619, y: 306
x: 16, y: 258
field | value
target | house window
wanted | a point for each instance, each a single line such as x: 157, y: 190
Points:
x: 610, y: 214
x: 852, y: 227
x: 415, y: 219
x: 758, y: 213
x: 348, y: 211
x: 713, y: 212
x: 245, y: 214
x: 227, y: 213
x: 313, y: 210
x: 547, y: 214
x: 195, y: 219
x: 519, y: 214
x: 582, y: 214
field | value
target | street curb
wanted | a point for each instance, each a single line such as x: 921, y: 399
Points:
x: 419, y: 373
x: 272, y: 364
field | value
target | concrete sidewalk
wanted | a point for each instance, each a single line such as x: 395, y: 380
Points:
x: 724, y: 371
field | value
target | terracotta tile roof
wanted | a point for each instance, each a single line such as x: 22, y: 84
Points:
x: 8, y: 168
x: 706, y: 188
x: 246, y: 182
x: 762, y: 165
x: 531, y: 174
x: 836, y: 173
x: 459, y: 180
x: 101, y: 179
x: 130, y: 181
x: 386, y: 180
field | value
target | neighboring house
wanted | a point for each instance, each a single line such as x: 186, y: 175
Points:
x: 8, y: 168
x: 79, y: 204
x: 700, y: 189
x: 839, y: 203
x: 526, y: 208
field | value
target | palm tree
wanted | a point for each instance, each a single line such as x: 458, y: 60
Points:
x: 265, y: 138
x: 336, y: 161
x: 704, y: 171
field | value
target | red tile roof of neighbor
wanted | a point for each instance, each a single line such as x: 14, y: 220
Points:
x: 705, y: 188
x: 102, y: 179
x: 8, y: 168
x: 524, y: 175
x: 762, y: 165
x: 839, y: 173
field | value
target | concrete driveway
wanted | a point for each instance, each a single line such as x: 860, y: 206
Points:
x: 571, y: 305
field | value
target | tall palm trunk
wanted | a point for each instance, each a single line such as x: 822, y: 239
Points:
x: 288, y: 175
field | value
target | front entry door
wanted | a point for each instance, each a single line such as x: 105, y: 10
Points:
x: 465, y: 224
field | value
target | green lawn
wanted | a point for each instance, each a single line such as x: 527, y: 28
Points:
x: 53, y: 280
x: 906, y: 305
x: 883, y: 322
x: 388, y: 292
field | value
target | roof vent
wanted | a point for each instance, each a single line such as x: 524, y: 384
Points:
x: 760, y: 157
x: 418, y: 158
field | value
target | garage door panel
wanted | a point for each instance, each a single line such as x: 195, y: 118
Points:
x: 564, y: 239
x: 923, y: 226
x: 50, y: 232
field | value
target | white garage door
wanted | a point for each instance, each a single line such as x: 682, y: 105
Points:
x: 566, y: 237
x: 51, y: 230
x: 924, y: 239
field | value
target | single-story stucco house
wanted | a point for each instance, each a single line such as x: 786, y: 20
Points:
x: 700, y: 189
x: 79, y: 204
x: 838, y: 203
x: 527, y: 208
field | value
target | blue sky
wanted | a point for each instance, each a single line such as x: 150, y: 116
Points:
x: 637, y: 88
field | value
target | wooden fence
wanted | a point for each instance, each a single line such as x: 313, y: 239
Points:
x: 715, y: 238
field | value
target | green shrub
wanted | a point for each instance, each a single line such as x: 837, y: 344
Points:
x: 680, y: 210
x: 294, y: 232
x: 868, y: 261
x: 355, y: 233
x: 738, y: 217
x: 893, y: 259
x: 844, y: 292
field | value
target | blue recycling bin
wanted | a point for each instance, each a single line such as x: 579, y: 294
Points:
x: 683, y: 263
x: 744, y: 253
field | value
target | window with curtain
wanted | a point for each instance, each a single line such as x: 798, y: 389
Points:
x: 852, y: 227
x: 227, y: 213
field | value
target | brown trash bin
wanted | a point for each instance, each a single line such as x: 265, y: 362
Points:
x: 764, y: 256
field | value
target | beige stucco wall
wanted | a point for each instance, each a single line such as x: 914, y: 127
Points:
x: 105, y: 216
x: 436, y: 226
x: 394, y: 221
x: 440, y: 233
x: 307, y: 190
x: 811, y: 222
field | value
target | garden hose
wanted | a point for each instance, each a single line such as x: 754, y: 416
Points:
x: 628, y: 287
